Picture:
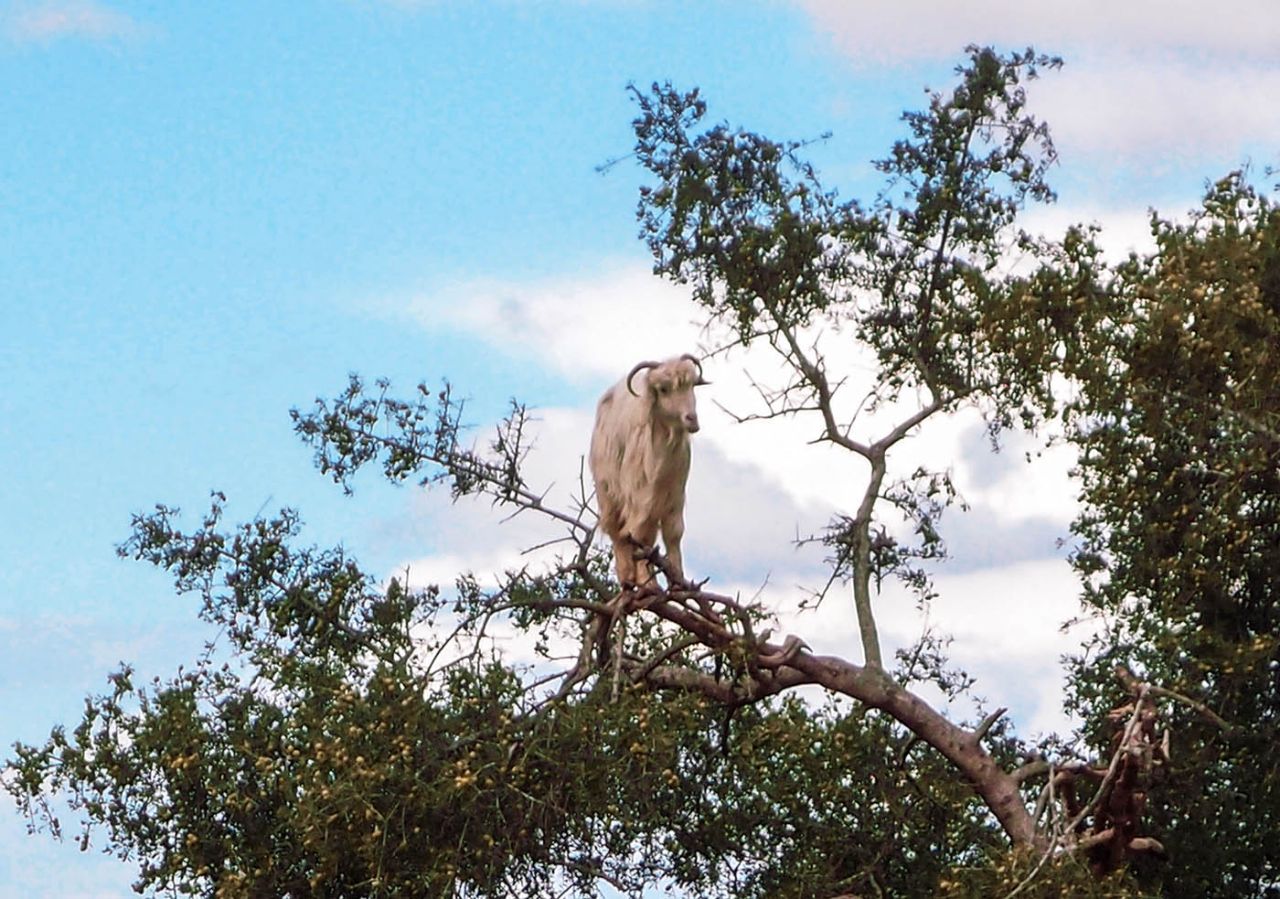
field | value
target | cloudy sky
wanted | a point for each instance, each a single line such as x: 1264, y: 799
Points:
x: 211, y: 213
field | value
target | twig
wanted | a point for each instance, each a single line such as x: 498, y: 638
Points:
x: 1134, y: 685
x: 664, y: 656
x: 981, y: 730
x: 620, y: 636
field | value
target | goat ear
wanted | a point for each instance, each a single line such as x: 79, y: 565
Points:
x: 701, y: 382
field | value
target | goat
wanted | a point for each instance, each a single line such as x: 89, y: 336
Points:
x: 640, y: 462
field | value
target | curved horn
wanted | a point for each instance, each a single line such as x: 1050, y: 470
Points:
x: 698, y: 365
x: 632, y: 374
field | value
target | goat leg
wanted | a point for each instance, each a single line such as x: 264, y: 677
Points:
x: 643, y: 559
x: 619, y: 606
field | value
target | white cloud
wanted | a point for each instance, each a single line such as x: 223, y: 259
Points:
x: 586, y: 330
x: 1145, y: 83
x: 1005, y: 622
x: 1024, y: 481
x: 1124, y: 229
x: 58, y: 19
x: 1007, y: 628
x: 1165, y: 110
x: 878, y: 31
x: 474, y: 535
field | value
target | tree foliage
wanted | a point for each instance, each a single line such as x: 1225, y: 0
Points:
x: 354, y: 737
x: 1178, y: 425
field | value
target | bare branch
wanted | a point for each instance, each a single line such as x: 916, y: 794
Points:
x: 817, y: 378
x: 1031, y: 769
x: 667, y: 654
x: 1204, y: 711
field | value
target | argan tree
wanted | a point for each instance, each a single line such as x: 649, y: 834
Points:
x: 1178, y: 427
x: 361, y: 739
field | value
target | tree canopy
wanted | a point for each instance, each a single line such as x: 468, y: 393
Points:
x: 356, y: 737
x: 1176, y: 423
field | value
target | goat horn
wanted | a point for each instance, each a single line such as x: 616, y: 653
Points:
x: 698, y: 365
x: 632, y: 374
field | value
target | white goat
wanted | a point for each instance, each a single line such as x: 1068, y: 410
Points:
x: 640, y: 461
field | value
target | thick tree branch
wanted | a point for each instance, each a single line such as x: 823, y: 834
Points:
x: 775, y: 667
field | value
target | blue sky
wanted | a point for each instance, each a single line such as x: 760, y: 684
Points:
x: 211, y: 213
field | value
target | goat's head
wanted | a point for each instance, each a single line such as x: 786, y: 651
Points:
x: 669, y: 387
